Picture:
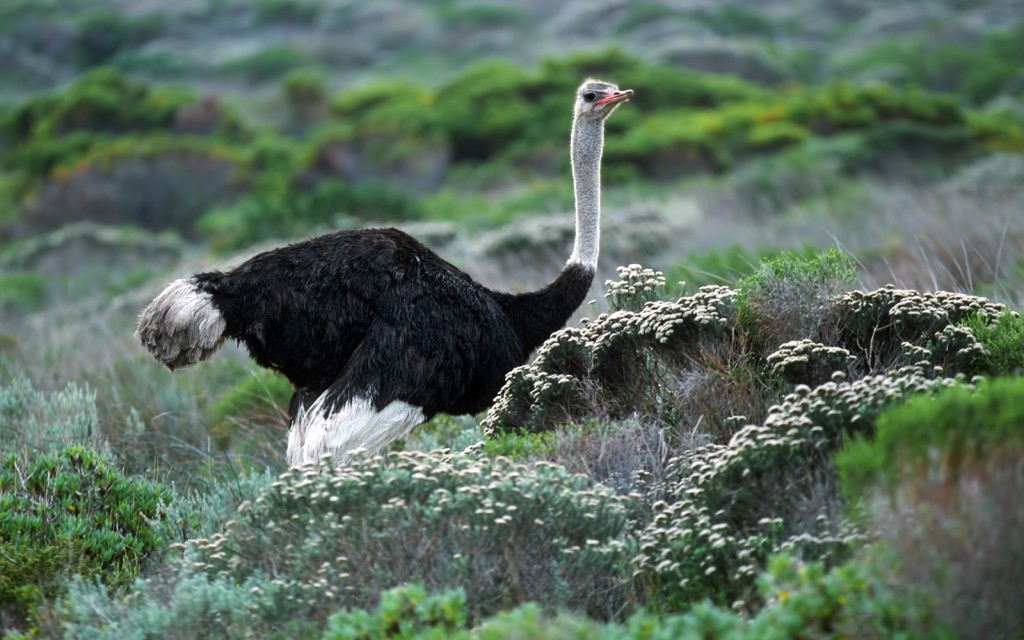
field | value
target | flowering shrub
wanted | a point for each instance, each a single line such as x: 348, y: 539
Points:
x: 772, y: 487
x: 505, y: 532
x: 618, y: 362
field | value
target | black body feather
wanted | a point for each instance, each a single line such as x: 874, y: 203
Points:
x: 376, y: 314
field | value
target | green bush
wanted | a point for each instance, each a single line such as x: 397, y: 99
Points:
x: 714, y: 139
x: 304, y: 86
x: 727, y: 266
x: 269, y: 63
x: 272, y: 12
x: 73, y: 513
x: 102, y: 33
x: 803, y: 601
x: 259, y: 394
x: 24, y: 290
x: 889, y: 328
x: 978, y: 72
x: 248, y: 416
x: 790, y: 297
x: 1002, y: 338
x: 403, y: 612
x: 35, y: 421
x: 504, y: 532
x: 291, y: 212
x: 101, y: 100
x: 771, y: 488
x: 960, y: 427
x: 177, y: 605
x: 942, y: 483
x: 619, y: 363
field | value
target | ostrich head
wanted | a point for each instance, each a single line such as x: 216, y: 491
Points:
x: 595, y: 100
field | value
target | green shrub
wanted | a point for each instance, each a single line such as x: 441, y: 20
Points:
x: 271, y: 12
x: 73, y: 513
x: 739, y: 21
x: 942, y: 482
x: 102, y: 33
x: 790, y: 297
x: 403, y: 612
x: 504, y: 532
x: 960, y: 427
x: 24, y: 290
x: 269, y: 63
x: 304, y: 86
x: 727, y: 266
x: 258, y: 395
x: 40, y: 422
x: 177, y: 605
x: 803, y: 601
x: 101, y: 100
x: 288, y: 213
x: 978, y: 72
x: 1002, y: 338
x: 772, y: 488
x: 480, y: 16
x: 521, y: 445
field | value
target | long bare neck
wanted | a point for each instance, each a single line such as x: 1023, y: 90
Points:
x: 585, y: 148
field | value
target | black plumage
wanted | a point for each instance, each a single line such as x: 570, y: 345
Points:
x: 376, y: 314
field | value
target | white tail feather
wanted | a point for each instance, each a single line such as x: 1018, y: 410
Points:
x: 354, y: 426
x: 181, y: 326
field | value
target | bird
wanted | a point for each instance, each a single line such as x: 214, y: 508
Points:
x: 375, y: 332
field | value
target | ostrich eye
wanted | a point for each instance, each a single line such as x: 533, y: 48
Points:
x: 589, y: 96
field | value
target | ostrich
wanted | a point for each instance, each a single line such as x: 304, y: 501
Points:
x: 375, y: 331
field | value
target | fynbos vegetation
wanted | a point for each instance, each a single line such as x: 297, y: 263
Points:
x: 808, y: 423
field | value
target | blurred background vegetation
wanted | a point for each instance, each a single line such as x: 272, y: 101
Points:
x: 140, y: 141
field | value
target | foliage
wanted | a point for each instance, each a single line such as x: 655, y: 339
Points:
x: 673, y: 141
x: 268, y: 63
x: 721, y: 266
x: 283, y: 213
x: 101, y: 100
x: 26, y: 290
x: 771, y: 488
x: 1002, y: 339
x: 789, y: 297
x: 100, y: 108
x: 304, y: 86
x: 616, y: 363
x: 102, y: 33
x: 890, y: 327
x: 942, y: 482
x: 978, y: 72
x: 45, y: 423
x: 403, y: 612
x: 258, y: 394
x: 271, y: 12
x: 961, y: 427
x: 803, y: 600
x: 807, y: 362
x: 73, y: 513
x: 504, y: 532
x: 178, y: 606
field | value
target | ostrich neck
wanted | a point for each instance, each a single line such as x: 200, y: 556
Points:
x: 586, y: 146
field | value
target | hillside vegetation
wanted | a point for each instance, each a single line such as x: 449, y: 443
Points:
x: 792, y: 409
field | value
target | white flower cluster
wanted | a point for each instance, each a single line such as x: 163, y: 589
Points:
x: 611, y: 355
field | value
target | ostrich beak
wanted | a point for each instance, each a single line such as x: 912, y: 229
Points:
x: 618, y: 96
